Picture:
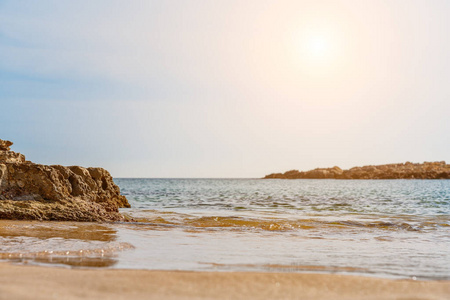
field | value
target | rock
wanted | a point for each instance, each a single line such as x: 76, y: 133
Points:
x: 319, y: 173
x: 408, y: 170
x: 11, y: 157
x: 4, y: 145
x: 41, y: 192
x: 7, y: 156
x: 275, y: 175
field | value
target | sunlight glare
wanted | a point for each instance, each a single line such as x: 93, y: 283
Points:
x: 319, y: 52
x: 318, y: 46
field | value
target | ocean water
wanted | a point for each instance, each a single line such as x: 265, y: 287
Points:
x: 384, y: 228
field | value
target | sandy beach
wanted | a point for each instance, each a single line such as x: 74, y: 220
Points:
x: 33, y: 282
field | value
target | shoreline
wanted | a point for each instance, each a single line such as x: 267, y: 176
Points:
x: 39, y: 282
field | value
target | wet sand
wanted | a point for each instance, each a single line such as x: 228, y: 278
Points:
x: 33, y: 282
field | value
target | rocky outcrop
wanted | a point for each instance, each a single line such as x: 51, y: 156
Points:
x: 4, y: 145
x: 7, y: 156
x: 408, y: 170
x: 41, y: 192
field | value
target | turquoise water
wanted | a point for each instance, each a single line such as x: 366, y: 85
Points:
x: 384, y: 228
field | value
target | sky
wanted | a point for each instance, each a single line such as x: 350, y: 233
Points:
x: 225, y: 88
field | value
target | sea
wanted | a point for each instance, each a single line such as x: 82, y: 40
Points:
x: 382, y: 228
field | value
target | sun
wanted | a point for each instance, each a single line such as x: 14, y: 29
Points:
x: 318, y: 51
x: 318, y: 46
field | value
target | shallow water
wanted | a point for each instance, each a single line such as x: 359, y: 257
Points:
x: 385, y: 228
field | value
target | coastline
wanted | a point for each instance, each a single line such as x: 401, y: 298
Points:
x: 37, y: 282
x: 407, y: 170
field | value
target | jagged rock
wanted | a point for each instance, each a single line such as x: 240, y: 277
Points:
x: 7, y: 156
x: 319, y: 173
x: 4, y: 145
x: 34, y: 191
x: 408, y: 170
x: 11, y: 157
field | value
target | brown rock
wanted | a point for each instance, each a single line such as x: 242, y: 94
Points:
x: 408, y: 170
x: 4, y: 145
x: 275, y: 175
x: 7, y: 156
x: 34, y: 191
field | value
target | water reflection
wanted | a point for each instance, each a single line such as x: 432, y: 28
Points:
x: 65, y: 230
x: 76, y: 262
x: 60, y: 243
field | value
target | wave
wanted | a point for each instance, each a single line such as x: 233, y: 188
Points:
x: 172, y: 219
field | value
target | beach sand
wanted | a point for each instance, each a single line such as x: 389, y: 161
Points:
x: 34, y: 282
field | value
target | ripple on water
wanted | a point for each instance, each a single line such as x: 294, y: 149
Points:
x: 62, y: 243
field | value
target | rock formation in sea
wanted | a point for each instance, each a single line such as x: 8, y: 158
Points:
x: 30, y: 191
x: 408, y: 170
